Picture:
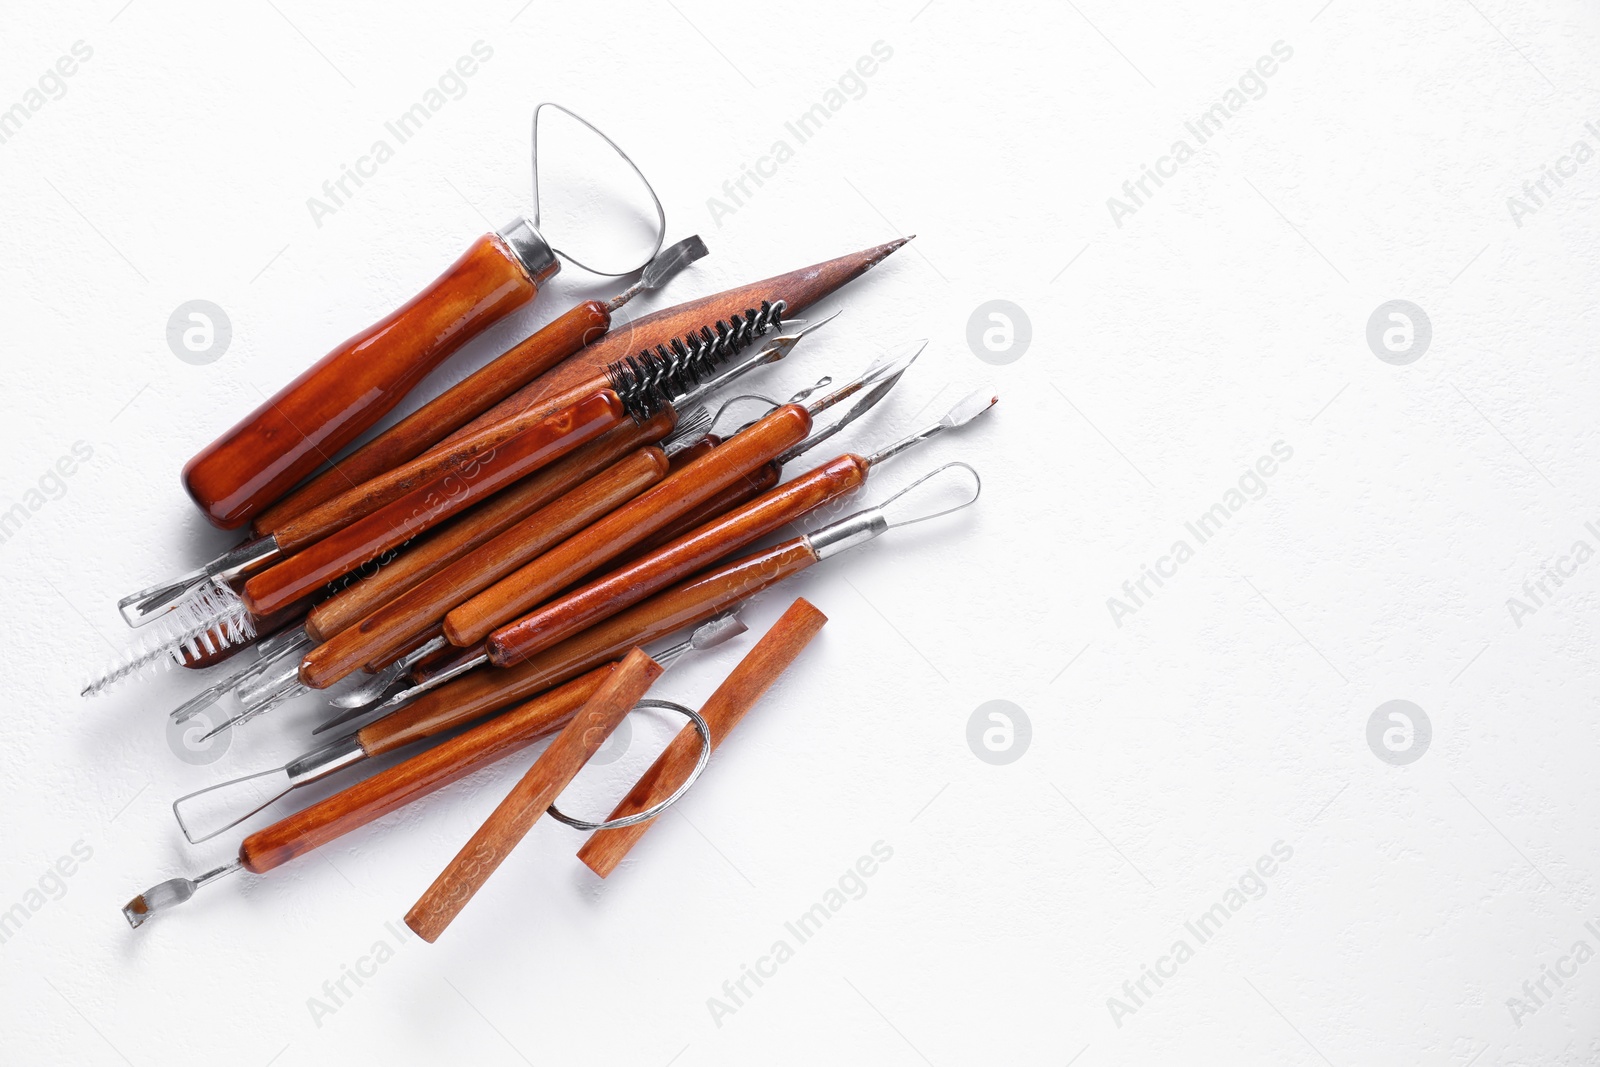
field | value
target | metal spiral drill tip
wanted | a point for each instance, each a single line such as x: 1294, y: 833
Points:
x: 653, y: 378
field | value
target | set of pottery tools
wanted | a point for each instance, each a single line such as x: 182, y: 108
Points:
x: 523, y: 555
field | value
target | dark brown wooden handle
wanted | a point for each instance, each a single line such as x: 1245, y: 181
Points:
x: 629, y: 584
x: 352, y: 387
x: 477, y: 693
x: 392, y: 573
x: 447, y: 412
x: 737, y: 694
x: 627, y: 526
x: 432, y: 503
x: 395, y: 624
x: 394, y: 787
x: 511, y: 820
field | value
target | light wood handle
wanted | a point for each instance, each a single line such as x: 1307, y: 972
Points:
x: 434, y: 768
x: 510, y: 822
x: 432, y: 503
x: 447, y: 412
x: 308, y: 421
x: 627, y: 526
x: 737, y: 694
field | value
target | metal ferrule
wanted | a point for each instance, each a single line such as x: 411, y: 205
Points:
x: 531, y: 249
x: 325, y: 760
x: 847, y: 533
x: 283, y: 674
x: 239, y: 561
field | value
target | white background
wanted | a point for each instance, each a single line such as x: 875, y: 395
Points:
x: 1167, y: 753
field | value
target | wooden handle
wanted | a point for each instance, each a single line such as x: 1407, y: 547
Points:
x: 352, y: 387
x: 447, y: 412
x: 627, y: 526
x: 386, y: 578
x: 631, y: 583
x: 394, y: 787
x: 739, y: 493
x: 477, y: 693
x: 392, y: 626
x: 432, y: 503
x: 362, y: 500
x: 586, y: 371
x: 737, y: 694
x: 689, y: 453
x: 510, y: 822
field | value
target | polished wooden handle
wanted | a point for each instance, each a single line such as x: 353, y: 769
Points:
x: 477, y: 693
x: 737, y: 694
x: 627, y: 585
x: 627, y: 526
x: 434, y: 768
x: 380, y: 581
x: 313, y: 417
x: 511, y: 820
x: 740, y: 492
x: 362, y: 500
x: 586, y: 371
x: 432, y: 503
x: 447, y: 412
x: 395, y: 624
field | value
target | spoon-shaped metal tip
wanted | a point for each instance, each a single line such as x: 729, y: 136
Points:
x: 169, y: 894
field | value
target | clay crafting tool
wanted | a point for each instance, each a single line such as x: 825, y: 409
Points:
x: 671, y: 771
x: 650, y: 380
x: 510, y: 822
x: 773, y: 435
x: 574, y: 378
x: 208, y: 812
x: 403, y: 620
x: 396, y: 786
x: 734, y: 529
x: 480, y: 691
x: 306, y: 423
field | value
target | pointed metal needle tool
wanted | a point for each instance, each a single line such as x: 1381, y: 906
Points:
x: 208, y: 812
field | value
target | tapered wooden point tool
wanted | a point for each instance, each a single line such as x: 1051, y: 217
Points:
x: 738, y: 693
x: 528, y: 799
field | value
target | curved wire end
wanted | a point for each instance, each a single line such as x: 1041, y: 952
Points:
x: 977, y: 491
x: 661, y: 212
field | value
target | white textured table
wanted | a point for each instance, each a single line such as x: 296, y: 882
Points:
x: 1225, y: 524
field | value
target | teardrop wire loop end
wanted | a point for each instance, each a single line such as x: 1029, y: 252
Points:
x: 977, y: 491
x: 661, y: 213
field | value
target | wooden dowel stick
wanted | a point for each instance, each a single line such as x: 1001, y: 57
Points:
x: 510, y: 822
x: 738, y: 693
